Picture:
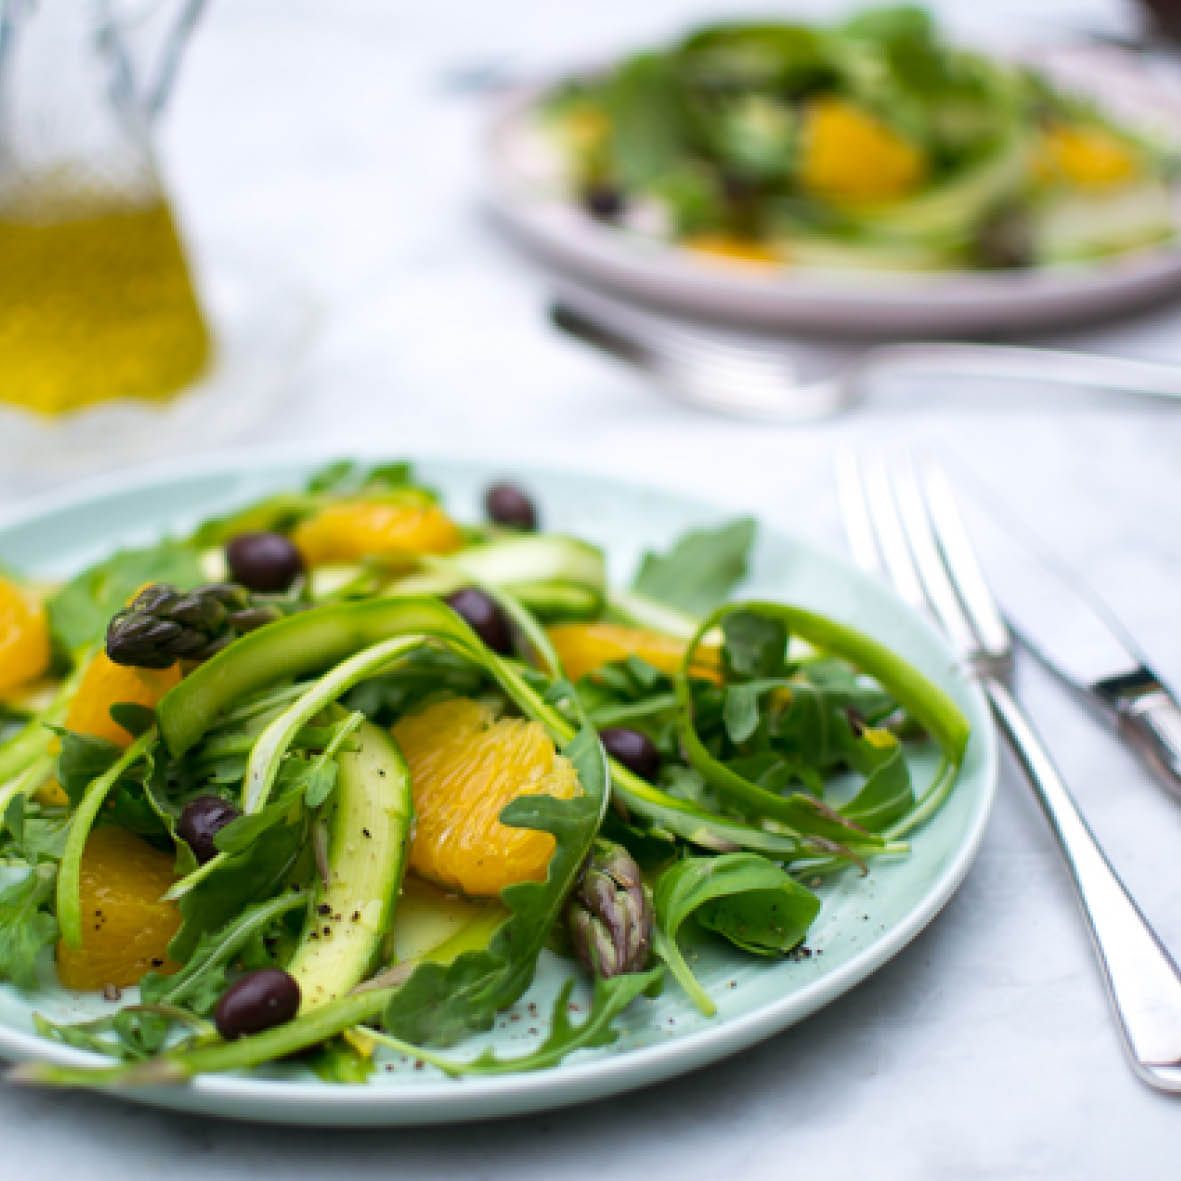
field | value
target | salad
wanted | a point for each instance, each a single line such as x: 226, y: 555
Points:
x: 873, y: 144
x: 323, y: 782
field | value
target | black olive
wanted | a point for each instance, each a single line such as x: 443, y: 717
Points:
x: 740, y: 189
x: 259, y: 1000
x: 603, y: 201
x: 634, y: 750
x: 484, y: 615
x: 506, y: 504
x: 201, y: 820
x: 264, y: 562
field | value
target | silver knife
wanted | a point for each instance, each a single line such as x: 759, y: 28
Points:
x: 1076, y: 636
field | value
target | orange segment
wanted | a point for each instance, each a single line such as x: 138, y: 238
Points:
x: 850, y: 156
x: 465, y: 767
x: 24, y: 637
x: 731, y: 248
x: 105, y: 683
x: 1087, y: 157
x: 355, y: 529
x: 584, y: 647
x: 126, y: 928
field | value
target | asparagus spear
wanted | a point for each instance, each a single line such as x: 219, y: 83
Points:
x: 609, y: 915
x: 163, y: 624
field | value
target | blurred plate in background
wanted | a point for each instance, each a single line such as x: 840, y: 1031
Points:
x: 525, y: 193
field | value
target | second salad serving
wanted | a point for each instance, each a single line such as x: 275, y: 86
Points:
x: 871, y: 145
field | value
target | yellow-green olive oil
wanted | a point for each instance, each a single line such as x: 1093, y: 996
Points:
x: 96, y: 303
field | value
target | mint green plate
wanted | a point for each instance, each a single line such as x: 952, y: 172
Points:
x: 864, y: 920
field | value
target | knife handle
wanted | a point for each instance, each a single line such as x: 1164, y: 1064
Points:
x: 1151, y: 725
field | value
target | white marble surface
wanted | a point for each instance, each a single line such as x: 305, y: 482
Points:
x: 318, y: 140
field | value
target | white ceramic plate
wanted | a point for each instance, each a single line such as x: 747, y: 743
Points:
x: 527, y: 198
x: 864, y: 920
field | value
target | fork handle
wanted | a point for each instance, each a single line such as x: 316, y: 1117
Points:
x: 1143, y: 982
x: 1150, y: 379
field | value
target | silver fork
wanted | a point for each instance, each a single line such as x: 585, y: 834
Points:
x: 904, y: 523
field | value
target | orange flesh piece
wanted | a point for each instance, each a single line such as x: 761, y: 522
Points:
x: 105, y: 683
x: 126, y: 928
x: 351, y: 530
x: 465, y: 767
x: 584, y: 647
x: 851, y: 157
x: 1087, y: 157
x: 24, y: 638
x: 731, y: 248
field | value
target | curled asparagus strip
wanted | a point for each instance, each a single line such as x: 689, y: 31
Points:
x: 69, y: 905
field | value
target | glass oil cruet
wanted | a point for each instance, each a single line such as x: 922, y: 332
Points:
x: 96, y: 298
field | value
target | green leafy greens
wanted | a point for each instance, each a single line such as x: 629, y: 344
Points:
x: 779, y: 742
x: 743, y: 897
x: 80, y: 611
x: 700, y: 570
x: 27, y: 926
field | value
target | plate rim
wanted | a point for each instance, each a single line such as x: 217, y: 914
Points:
x: 329, y: 1104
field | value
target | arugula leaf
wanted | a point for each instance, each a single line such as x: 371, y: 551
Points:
x: 132, y: 1033
x: 741, y: 896
x: 318, y: 776
x: 26, y: 925
x: 439, y: 1003
x: 255, y: 872
x: 786, y: 60
x: 741, y: 715
x: 755, y: 645
x: 886, y: 795
x: 700, y: 570
x: 649, y: 121
x: 80, y: 611
x: 202, y: 980
x: 346, y: 478
x: 303, y: 781
x: 243, y: 831
x: 610, y: 998
x: 35, y: 838
x: 84, y: 757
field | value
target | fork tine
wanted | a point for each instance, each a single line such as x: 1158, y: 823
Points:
x: 934, y: 575
x: 890, y: 535
x: 964, y: 566
x: 854, y: 504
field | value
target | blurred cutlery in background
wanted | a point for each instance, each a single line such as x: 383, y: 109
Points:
x: 750, y: 377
